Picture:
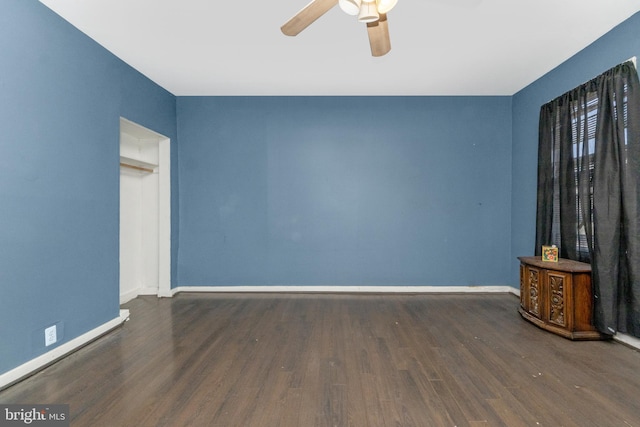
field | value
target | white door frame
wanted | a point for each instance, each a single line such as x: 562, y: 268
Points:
x: 164, y: 200
x: 164, y: 218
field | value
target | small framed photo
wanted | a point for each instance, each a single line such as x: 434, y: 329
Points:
x: 550, y: 253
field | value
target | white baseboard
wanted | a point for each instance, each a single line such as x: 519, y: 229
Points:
x: 128, y: 296
x: 165, y: 294
x: 627, y: 340
x: 347, y: 289
x: 40, y: 362
x: 148, y: 290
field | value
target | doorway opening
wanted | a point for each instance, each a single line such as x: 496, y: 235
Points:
x: 145, y: 212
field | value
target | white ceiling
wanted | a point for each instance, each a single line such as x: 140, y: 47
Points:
x: 439, y: 47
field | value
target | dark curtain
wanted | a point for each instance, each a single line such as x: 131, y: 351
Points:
x: 589, y: 190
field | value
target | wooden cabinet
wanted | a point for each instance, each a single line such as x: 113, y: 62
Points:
x: 557, y: 296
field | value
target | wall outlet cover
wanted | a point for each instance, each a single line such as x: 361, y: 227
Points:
x: 50, y: 335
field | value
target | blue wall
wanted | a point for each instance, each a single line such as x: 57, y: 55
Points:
x: 62, y: 96
x: 344, y: 191
x: 618, y: 45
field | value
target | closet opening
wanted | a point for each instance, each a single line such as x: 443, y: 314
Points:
x: 145, y: 212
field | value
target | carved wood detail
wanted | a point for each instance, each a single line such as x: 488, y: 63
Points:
x: 534, y: 292
x: 556, y: 296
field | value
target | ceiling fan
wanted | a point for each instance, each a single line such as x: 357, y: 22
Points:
x: 371, y: 12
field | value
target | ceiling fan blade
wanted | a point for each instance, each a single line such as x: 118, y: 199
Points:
x: 379, y: 36
x: 307, y: 16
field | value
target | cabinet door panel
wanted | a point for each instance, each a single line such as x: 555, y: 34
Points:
x: 535, y: 306
x: 557, y: 286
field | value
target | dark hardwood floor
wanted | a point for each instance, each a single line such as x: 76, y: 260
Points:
x: 302, y: 360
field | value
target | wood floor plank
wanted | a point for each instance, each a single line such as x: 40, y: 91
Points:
x: 291, y: 360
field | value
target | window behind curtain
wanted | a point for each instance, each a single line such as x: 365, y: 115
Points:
x: 583, y: 118
x: 589, y: 189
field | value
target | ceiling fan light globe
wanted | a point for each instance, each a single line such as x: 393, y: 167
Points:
x: 385, y: 6
x: 350, y: 7
x: 368, y: 11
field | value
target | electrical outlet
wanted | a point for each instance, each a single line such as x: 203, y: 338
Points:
x: 50, y: 336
